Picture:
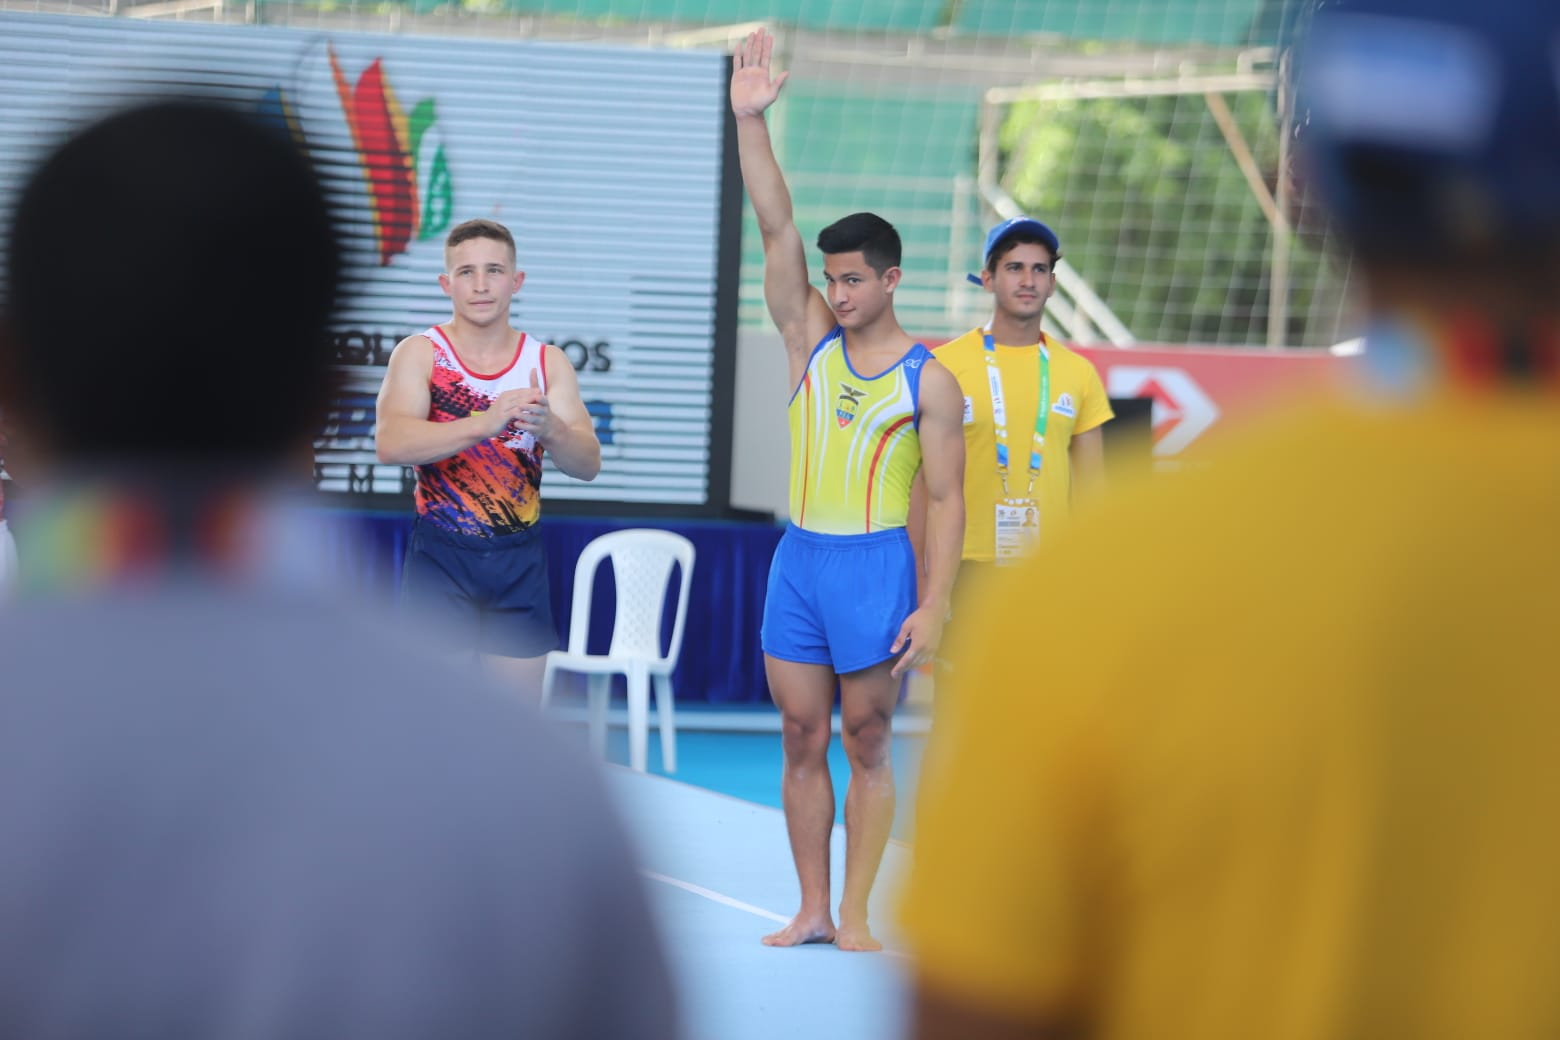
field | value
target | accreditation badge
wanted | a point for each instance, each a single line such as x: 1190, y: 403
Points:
x: 1018, y: 529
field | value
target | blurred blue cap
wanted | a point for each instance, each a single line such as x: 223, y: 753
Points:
x: 1027, y: 225
x: 1433, y: 124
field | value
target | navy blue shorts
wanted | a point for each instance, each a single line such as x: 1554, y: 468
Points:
x: 838, y: 599
x: 492, y: 593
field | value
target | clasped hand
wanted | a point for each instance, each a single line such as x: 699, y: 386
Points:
x: 524, y: 410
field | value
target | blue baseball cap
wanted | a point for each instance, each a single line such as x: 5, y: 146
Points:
x: 1026, y: 225
x: 1433, y: 125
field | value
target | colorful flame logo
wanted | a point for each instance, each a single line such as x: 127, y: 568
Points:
x: 390, y: 148
x: 389, y: 145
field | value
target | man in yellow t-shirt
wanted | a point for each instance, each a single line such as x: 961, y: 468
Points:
x: 1300, y: 783
x: 1032, y: 408
x: 1305, y: 770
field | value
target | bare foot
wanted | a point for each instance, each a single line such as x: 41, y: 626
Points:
x: 856, y: 936
x: 803, y: 930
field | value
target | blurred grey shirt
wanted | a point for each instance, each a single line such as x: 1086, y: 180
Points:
x: 257, y: 815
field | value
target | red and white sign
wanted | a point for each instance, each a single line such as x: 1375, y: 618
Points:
x: 1203, y: 393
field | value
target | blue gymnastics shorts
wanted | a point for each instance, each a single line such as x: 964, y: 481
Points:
x: 838, y: 599
x: 491, y: 594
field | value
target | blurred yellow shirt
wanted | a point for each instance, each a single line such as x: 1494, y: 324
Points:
x: 1288, y: 766
x: 1078, y: 404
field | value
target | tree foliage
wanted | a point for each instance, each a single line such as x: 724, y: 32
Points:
x: 1154, y: 212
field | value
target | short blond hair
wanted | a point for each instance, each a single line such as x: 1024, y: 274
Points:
x: 470, y: 229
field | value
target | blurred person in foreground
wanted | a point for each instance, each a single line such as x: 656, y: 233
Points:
x: 230, y: 805
x: 1301, y: 781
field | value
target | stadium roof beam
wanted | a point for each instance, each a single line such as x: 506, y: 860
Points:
x: 1127, y: 87
x: 166, y: 8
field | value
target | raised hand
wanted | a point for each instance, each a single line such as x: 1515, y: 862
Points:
x: 753, y: 89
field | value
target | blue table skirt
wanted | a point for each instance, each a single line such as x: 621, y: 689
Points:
x: 721, y: 661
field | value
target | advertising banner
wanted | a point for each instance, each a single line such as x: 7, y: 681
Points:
x: 605, y: 163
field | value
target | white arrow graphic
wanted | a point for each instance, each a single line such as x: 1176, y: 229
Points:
x: 1182, y: 411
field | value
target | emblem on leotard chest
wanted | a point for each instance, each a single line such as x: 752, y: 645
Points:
x: 845, y: 407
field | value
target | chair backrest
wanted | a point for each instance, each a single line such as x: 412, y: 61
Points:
x: 642, y: 560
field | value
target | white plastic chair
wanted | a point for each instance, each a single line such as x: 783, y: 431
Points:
x: 7, y: 561
x: 642, y: 560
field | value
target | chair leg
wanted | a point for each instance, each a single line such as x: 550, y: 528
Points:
x: 638, y: 719
x: 664, y: 711
x: 598, y: 693
x: 549, y: 674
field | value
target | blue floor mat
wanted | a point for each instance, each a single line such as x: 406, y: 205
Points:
x: 748, y: 766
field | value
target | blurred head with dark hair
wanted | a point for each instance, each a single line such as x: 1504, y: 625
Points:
x: 249, y: 808
x: 1429, y: 130
x: 171, y: 271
